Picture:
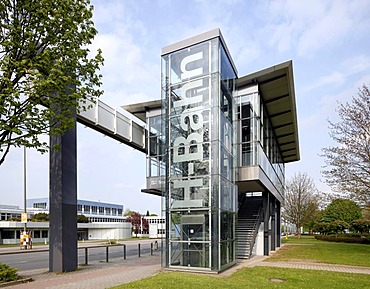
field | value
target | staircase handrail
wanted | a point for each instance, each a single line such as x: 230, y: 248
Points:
x: 257, y: 222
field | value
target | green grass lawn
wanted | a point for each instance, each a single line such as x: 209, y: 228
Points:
x: 256, y: 278
x: 308, y: 248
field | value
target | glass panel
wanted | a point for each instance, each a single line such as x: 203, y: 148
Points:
x: 189, y: 239
x: 189, y: 63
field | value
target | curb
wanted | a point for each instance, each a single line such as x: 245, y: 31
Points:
x: 15, y: 282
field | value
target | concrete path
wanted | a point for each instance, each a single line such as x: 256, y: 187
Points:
x: 96, y: 276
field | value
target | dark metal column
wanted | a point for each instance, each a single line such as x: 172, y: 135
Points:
x: 266, y: 217
x: 278, y: 224
x: 273, y: 223
x: 63, y: 203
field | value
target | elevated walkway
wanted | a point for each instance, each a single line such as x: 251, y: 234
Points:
x: 107, y: 120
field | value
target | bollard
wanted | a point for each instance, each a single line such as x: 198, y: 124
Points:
x: 138, y: 245
x: 151, y: 249
x: 107, y: 248
x: 124, y: 251
x: 86, y: 257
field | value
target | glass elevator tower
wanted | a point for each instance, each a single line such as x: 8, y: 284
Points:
x: 199, y: 191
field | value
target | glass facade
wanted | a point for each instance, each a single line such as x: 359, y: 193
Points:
x: 193, y: 152
x: 257, y: 145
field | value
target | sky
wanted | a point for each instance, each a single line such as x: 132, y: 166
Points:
x: 328, y: 42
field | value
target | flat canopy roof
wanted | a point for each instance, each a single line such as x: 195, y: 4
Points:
x: 139, y: 109
x: 276, y: 87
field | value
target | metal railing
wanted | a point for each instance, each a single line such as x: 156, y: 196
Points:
x: 256, y: 225
x: 153, y: 247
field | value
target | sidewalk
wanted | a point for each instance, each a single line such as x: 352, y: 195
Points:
x: 95, y: 276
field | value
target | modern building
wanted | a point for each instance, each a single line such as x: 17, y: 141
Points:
x: 157, y: 226
x: 96, y: 212
x: 217, y: 149
x: 106, y: 221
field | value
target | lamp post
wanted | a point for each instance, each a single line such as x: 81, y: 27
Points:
x: 24, y: 215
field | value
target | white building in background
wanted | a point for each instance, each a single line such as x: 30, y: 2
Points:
x: 157, y: 226
x: 106, y: 221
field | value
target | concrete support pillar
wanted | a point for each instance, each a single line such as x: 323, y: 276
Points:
x: 278, y: 224
x: 273, y: 223
x: 63, y: 203
x: 266, y: 217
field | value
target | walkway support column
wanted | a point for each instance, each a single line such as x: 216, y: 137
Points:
x: 273, y: 223
x: 278, y: 224
x: 266, y: 217
x: 63, y: 203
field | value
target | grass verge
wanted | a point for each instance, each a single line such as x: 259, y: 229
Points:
x: 323, y: 252
x: 256, y: 278
x: 307, y: 248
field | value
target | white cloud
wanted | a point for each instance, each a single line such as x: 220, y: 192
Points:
x: 310, y: 26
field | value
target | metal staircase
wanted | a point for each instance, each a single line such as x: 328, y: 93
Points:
x: 249, y: 219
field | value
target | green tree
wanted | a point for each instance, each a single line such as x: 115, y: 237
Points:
x: 40, y: 217
x: 45, y: 69
x: 128, y: 213
x: 342, y: 210
x: 362, y: 226
x: 338, y: 226
x: 82, y: 219
x: 322, y: 227
x: 347, y: 167
x: 301, y: 200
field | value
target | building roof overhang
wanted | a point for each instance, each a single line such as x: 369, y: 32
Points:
x: 276, y: 87
x: 140, y: 109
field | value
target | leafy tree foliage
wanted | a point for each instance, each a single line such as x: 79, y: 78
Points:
x: 82, y: 219
x: 342, y: 210
x: 322, y: 227
x: 338, y: 226
x: 301, y: 200
x: 362, y: 226
x: 40, y: 217
x: 347, y: 167
x: 128, y: 213
x: 45, y: 69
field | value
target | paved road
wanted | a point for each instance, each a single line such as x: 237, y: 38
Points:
x: 39, y: 259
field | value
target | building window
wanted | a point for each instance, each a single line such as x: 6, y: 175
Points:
x: 114, y: 211
x: 36, y: 234
x: 79, y: 208
x: 40, y: 205
x: 86, y: 209
x: 107, y: 211
x: 94, y: 209
x: 7, y: 234
x: 120, y: 212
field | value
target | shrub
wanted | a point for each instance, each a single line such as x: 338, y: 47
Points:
x: 7, y: 273
x: 345, y: 238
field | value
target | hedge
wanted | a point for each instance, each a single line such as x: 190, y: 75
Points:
x: 346, y: 238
